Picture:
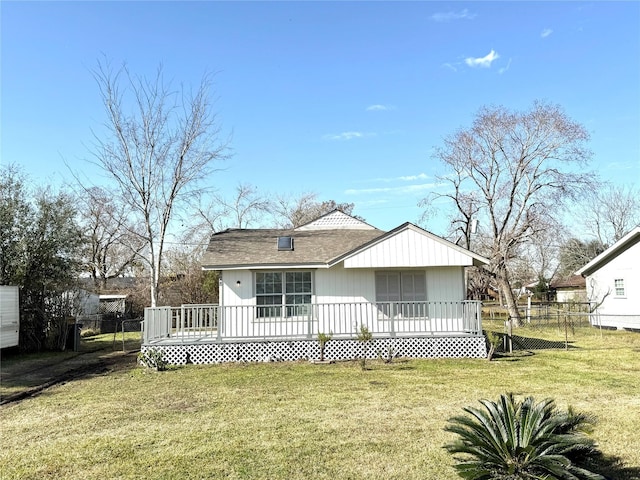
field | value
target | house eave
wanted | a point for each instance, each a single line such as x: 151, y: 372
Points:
x: 265, y: 266
x: 610, y: 253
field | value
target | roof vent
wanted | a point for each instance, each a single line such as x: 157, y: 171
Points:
x: 285, y: 243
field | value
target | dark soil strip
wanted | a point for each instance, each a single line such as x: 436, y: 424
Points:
x: 104, y: 365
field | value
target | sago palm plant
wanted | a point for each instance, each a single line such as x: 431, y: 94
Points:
x: 522, y: 440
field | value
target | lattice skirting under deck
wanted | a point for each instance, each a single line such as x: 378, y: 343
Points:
x: 339, y: 349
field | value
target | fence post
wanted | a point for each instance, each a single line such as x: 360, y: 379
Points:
x: 509, y: 337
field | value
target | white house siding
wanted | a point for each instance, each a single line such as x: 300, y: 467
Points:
x: 87, y: 302
x: 578, y: 295
x: 233, y: 294
x: 445, y: 284
x: 340, y: 285
x: 9, y: 316
x: 625, y: 266
x: 406, y: 249
x: 343, y: 297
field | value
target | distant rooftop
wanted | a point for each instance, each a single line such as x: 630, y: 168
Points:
x: 335, y: 220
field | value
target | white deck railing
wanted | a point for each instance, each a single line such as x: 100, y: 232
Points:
x: 194, y: 323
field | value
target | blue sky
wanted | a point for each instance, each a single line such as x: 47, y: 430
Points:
x: 347, y: 100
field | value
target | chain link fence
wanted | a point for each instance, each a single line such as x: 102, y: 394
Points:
x: 120, y: 330
x: 551, y: 325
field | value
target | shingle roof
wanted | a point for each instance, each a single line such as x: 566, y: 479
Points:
x: 243, y: 248
x: 571, y: 282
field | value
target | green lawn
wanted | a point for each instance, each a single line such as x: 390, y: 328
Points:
x: 303, y: 421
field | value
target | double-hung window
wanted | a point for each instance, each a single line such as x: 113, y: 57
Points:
x: 279, y: 293
x: 402, y: 293
x: 618, y: 283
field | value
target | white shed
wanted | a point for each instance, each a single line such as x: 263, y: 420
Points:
x: 9, y: 316
x: 613, y: 282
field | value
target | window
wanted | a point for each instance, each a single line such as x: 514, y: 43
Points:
x: 402, y: 293
x: 619, y: 286
x: 285, y: 243
x: 269, y: 292
x: 275, y: 290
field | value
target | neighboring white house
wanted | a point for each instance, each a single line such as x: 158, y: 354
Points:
x: 332, y: 275
x: 9, y: 316
x: 613, y: 283
x: 91, y: 303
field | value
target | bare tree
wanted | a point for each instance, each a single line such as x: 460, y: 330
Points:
x: 575, y: 254
x: 610, y: 212
x: 112, y: 241
x: 159, y: 144
x: 291, y: 212
x: 246, y: 208
x: 514, y: 171
x: 186, y: 282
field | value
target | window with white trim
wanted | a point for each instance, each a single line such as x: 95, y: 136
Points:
x: 283, y: 292
x: 618, y: 283
x: 402, y: 293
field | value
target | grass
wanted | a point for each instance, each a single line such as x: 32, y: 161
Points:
x: 303, y: 421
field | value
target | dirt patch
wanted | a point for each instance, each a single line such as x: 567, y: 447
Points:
x: 21, y: 380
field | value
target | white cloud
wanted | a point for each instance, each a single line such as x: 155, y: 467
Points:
x: 378, y: 108
x: 546, y: 32
x: 450, y: 67
x: 347, y: 135
x: 450, y: 16
x: 403, y: 178
x: 484, y: 62
x: 410, y: 178
x: 403, y: 190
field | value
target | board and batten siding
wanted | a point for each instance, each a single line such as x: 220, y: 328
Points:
x: 233, y: 294
x: 445, y: 284
x: 626, y: 267
x: 343, y: 285
x: 339, y: 285
x: 408, y: 248
x: 9, y: 316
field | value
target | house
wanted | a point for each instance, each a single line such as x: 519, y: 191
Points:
x: 613, y: 283
x: 571, y: 289
x: 280, y: 288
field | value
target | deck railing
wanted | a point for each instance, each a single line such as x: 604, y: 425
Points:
x: 193, y: 323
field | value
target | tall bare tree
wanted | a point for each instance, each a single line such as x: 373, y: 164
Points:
x: 610, y: 212
x: 514, y: 171
x: 159, y: 144
x: 112, y: 240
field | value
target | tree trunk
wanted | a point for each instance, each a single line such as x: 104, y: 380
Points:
x: 153, y: 284
x: 507, y: 292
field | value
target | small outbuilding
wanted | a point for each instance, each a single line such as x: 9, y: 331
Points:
x: 9, y: 316
x: 572, y: 289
